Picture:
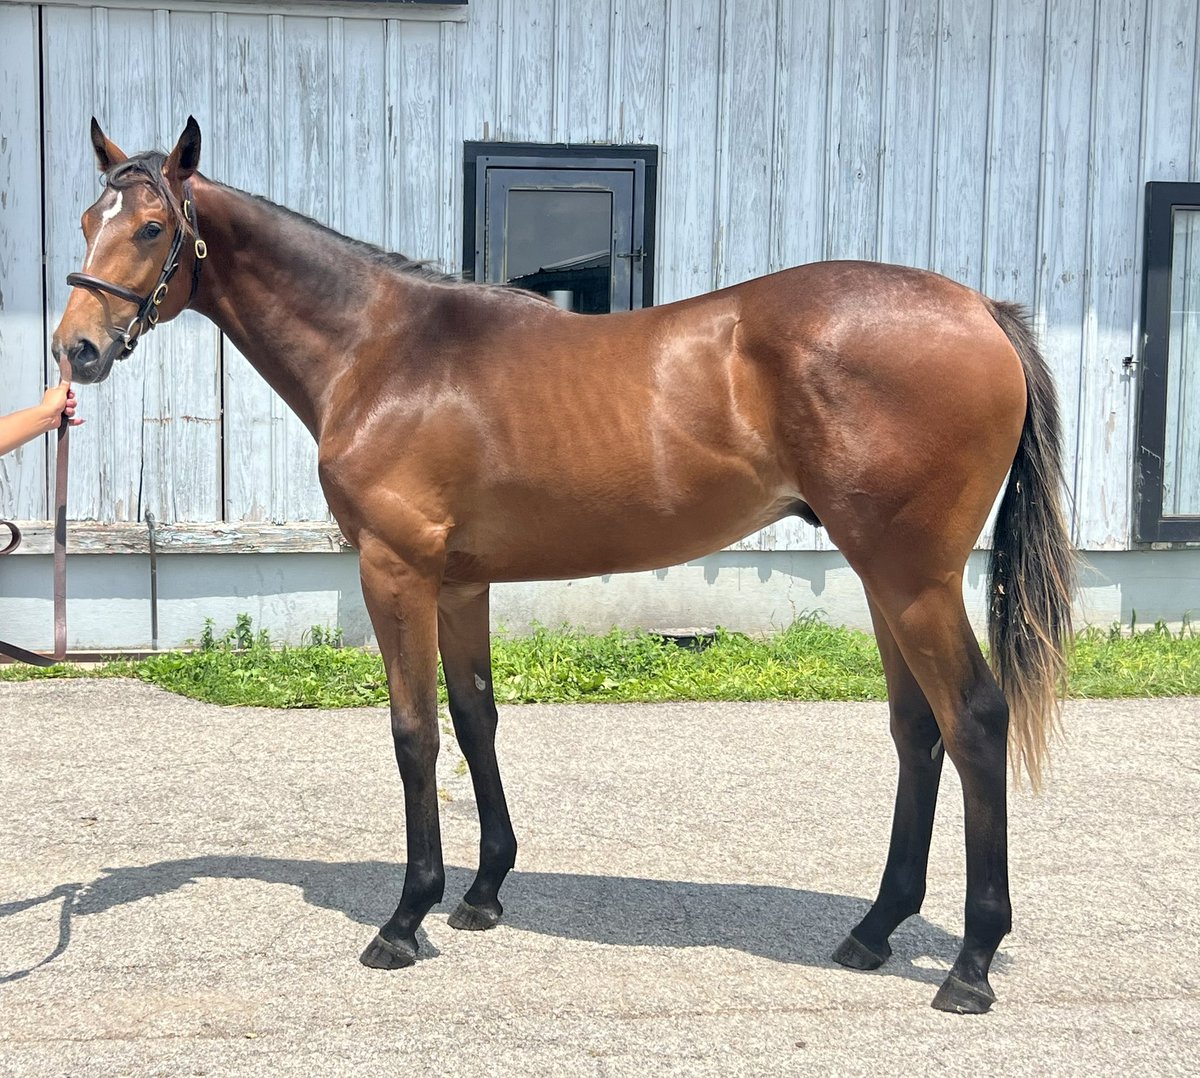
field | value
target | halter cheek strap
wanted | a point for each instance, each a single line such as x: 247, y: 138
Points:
x: 147, y: 306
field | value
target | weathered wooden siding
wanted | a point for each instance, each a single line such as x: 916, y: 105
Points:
x: 1004, y: 143
x: 22, y: 371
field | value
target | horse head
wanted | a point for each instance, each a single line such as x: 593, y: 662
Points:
x: 135, y: 234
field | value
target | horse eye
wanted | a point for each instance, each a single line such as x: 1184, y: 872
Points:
x: 150, y: 231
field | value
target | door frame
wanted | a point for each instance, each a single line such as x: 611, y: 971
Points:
x: 1150, y: 523
x: 641, y: 161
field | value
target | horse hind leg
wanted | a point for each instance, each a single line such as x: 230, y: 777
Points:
x: 930, y: 626
x: 918, y: 748
x: 463, y: 638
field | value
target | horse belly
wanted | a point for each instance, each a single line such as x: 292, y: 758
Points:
x: 556, y: 537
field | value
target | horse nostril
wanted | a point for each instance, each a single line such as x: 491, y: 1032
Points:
x: 83, y: 354
x: 85, y: 360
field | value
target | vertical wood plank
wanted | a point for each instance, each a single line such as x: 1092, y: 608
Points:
x: 247, y: 152
x: 803, y: 75
x: 1065, y: 206
x: 854, y: 128
x: 639, y: 73
x: 359, y: 157
x: 449, y: 151
x: 747, y: 133
x: 960, y: 148
x: 335, y: 110
x: 582, y: 72
x: 1108, y: 387
x: 1170, y: 106
x: 529, y: 91
x: 25, y: 366
x: 419, y: 131
x: 687, y: 174
x: 1014, y: 153
x: 910, y: 119
x: 477, y: 73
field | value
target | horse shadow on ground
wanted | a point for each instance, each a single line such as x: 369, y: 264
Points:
x: 782, y: 924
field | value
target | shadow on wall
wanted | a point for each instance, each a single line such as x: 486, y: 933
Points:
x: 778, y: 923
x: 812, y: 567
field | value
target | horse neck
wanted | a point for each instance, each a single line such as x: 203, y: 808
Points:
x: 283, y: 291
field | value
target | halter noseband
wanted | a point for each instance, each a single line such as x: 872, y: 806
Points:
x: 147, y: 306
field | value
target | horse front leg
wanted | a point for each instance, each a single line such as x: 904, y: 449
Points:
x: 463, y: 637
x: 402, y: 603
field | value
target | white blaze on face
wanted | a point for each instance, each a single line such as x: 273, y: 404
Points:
x: 105, y: 218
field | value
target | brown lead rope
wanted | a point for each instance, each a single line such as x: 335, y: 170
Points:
x: 60, y: 539
x: 35, y: 658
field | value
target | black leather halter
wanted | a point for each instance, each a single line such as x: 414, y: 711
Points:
x: 147, y: 306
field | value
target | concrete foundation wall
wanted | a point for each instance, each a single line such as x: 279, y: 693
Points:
x: 109, y: 595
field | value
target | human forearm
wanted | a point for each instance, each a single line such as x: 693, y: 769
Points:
x: 20, y: 427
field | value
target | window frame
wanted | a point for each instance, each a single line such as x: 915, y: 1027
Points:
x: 1163, y: 198
x: 479, y: 156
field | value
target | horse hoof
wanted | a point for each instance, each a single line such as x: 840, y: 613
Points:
x: 383, y: 954
x: 473, y: 919
x: 857, y: 955
x: 958, y: 997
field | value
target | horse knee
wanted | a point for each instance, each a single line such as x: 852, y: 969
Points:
x: 416, y: 740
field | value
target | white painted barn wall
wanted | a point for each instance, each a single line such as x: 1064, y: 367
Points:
x: 1004, y: 143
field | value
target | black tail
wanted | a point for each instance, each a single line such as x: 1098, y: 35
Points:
x: 1032, y: 570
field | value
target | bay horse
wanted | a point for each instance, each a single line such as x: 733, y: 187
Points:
x: 473, y: 433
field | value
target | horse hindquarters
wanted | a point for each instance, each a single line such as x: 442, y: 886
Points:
x: 913, y: 577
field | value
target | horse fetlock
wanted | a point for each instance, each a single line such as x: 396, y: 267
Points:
x: 498, y: 854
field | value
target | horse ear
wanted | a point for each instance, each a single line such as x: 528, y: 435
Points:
x: 185, y: 158
x: 107, y: 153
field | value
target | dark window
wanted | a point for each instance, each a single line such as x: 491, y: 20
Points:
x: 575, y: 223
x: 1168, y: 443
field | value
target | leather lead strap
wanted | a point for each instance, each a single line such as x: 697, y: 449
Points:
x: 60, y: 538
x: 35, y: 658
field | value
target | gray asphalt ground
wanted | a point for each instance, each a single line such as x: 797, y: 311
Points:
x: 185, y: 889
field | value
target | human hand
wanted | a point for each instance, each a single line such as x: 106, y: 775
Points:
x: 59, y: 401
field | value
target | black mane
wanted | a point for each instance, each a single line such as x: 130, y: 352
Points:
x: 392, y: 259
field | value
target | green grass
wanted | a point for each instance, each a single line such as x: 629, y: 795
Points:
x: 810, y: 660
